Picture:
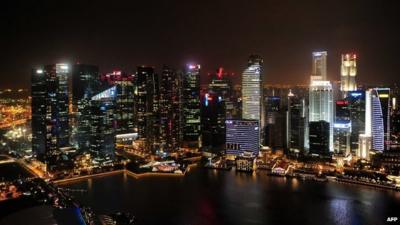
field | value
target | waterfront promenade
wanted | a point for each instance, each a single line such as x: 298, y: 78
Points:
x: 124, y: 171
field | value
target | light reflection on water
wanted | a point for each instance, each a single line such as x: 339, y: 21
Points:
x: 229, y: 197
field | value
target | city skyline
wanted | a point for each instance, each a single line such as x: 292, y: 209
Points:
x: 283, y: 34
x: 211, y: 112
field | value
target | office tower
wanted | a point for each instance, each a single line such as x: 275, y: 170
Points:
x: 395, y: 128
x: 274, y: 123
x: 336, y: 93
x: 237, y: 101
x: 146, y: 98
x: 342, y: 111
x: 85, y: 83
x: 170, y: 109
x: 341, y: 137
x: 217, y: 105
x: 242, y: 136
x: 252, y: 89
x: 124, y: 100
x: 357, y: 104
x: 319, y: 68
x: 321, y: 105
x: 191, y: 107
x: 50, y: 122
x: 395, y: 117
x: 296, y: 123
x: 342, y: 128
x: 39, y: 95
x: 213, y: 115
x: 348, y: 73
x: 319, y: 137
x: 380, y: 103
x: 102, y: 130
x: 221, y: 86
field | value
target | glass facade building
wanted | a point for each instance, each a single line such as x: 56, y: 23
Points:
x: 252, y: 89
x: 147, y: 108
x: 50, y: 109
x: 85, y: 84
x: 191, y: 107
x: 170, y: 109
x: 321, y: 105
x: 242, y: 136
x: 102, y: 129
x: 380, y: 103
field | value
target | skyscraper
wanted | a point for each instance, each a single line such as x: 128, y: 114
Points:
x: 213, y: 115
x: 221, y: 86
x: 319, y: 137
x: 348, y: 73
x: 357, y: 104
x: 85, y: 84
x: 170, y: 109
x: 50, y: 122
x: 191, y: 107
x: 274, y: 123
x: 342, y: 111
x: 124, y: 100
x: 321, y: 105
x: 146, y: 98
x: 217, y: 106
x: 342, y: 128
x: 319, y: 68
x: 296, y: 123
x: 102, y: 129
x: 380, y: 104
x: 252, y: 89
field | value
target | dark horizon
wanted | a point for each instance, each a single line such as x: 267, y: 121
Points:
x: 212, y: 33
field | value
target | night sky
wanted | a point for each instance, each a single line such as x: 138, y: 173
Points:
x: 124, y: 34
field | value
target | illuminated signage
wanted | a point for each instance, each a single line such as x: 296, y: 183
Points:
x: 342, y: 125
x: 64, y: 67
x: 192, y: 66
x: 341, y: 102
x: 356, y: 94
x: 383, y: 95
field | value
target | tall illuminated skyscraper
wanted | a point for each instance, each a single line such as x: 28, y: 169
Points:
x: 252, y: 89
x: 296, y: 123
x: 221, y: 86
x: 321, y: 94
x: 380, y: 106
x: 348, y: 73
x: 170, y: 109
x: 146, y: 99
x: 124, y: 100
x: 85, y: 84
x: 342, y: 128
x: 50, y: 115
x: 191, y: 107
x: 357, y: 103
x: 321, y: 105
x: 319, y: 70
x: 217, y: 106
x: 213, y: 116
x: 102, y: 119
